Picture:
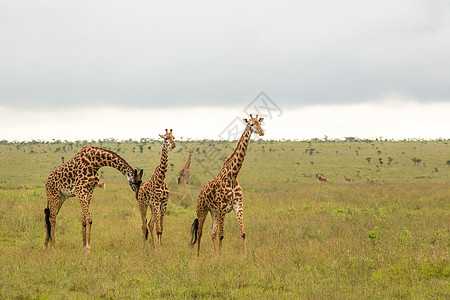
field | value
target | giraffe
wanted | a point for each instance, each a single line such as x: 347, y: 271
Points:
x: 154, y: 193
x: 78, y: 177
x: 185, y: 171
x: 223, y: 193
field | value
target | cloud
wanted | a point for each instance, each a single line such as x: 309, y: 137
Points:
x: 203, y: 53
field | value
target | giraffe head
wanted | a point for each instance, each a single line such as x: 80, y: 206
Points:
x: 169, y: 139
x: 255, y: 125
x: 135, y: 179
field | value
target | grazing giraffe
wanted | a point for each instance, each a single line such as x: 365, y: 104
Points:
x: 101, y: 184
x: 347, y: 178
x: 78, y: 177
x: 185, y: 171
x: 223, y: 193
x: 154, y: 193
x: 321, y: 178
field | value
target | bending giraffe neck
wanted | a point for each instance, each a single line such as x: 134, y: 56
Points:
x: 188, y: 163
x: 236, y: 159
x: 98, y: 157
x: 161, y: 169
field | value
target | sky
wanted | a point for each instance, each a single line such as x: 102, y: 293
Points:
x: 114, y: 69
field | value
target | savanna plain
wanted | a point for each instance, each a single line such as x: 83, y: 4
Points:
x: 383, y: 235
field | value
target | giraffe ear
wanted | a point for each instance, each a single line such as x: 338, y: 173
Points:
x: 260, y: 120
x: 245, y: 120
x: 141, y: 173
x: 163, y: 136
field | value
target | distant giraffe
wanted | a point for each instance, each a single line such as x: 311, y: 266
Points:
x: 223, y: 193
x: 347, y: 178
x: 185, y: 171
x: 78, y: 177
x: 321, y: 178
x: 154, y: 193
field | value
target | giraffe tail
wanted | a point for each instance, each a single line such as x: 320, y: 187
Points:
x: 179, y: 179
x: 194, y: 229
x: 47, y: 222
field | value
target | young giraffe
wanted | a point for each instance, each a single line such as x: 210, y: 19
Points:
x: 223, y: 193
x: 185, y: 171
x: 78, y: 177
x: 154, y: 193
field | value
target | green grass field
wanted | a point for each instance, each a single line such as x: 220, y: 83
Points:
x: 384, y: 235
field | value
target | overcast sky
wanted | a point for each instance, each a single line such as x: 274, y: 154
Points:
x: 58, y: 56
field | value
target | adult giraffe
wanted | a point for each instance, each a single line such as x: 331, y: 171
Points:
x: 78, y: 177
x: 223, y: 193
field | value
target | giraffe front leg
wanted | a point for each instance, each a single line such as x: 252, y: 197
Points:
x: 86, y: 221
x: 239, y: 209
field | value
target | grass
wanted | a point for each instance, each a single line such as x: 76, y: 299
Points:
x: 385, y: 235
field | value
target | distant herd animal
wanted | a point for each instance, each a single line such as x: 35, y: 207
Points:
x: 78, y: 177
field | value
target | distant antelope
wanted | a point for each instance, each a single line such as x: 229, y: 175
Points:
x: 312, y: 163
x: 348, y: 179
x: 101, y: 184
x: 321, y: 178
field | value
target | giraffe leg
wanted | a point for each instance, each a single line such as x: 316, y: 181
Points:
x: 143, y: 210
x: 220, y: 224
x: 163, y: 212
x: 158, y: 225
x: 239, y: 209
x: 201, y: 215
x: 151, y: 224
x: 86, y: 221
x: 214, y: 227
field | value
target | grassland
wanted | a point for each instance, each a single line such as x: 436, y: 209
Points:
x: 384, y: 235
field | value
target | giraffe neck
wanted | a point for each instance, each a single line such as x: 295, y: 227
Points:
x: 188, y: 163
x: 236, y: 159
x: 161, y: 169
x: 98, y: 157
